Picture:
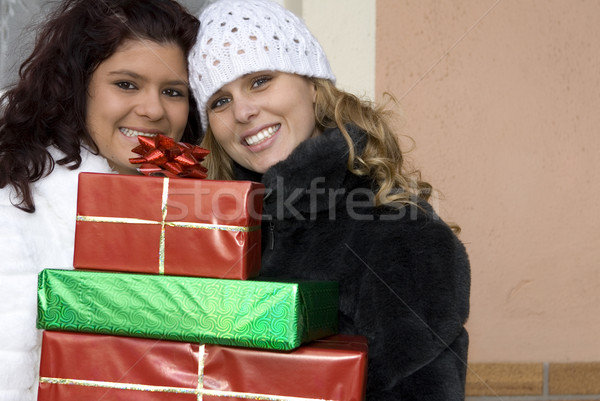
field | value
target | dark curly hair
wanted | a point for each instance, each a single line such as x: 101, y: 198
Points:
x: 47, y: 106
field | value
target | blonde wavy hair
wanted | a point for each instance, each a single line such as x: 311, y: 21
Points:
x: 382, y: 159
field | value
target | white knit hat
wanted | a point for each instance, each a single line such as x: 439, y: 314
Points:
x: 239, y: 37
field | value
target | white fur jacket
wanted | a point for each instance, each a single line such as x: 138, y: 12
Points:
x: 30, y: 242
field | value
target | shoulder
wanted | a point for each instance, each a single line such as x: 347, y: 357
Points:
x: 59, y: 186
x: 413, y: 234
x: 27, y: 238
x: 424, y: 230
x: 61, y: 183
x: 60, y: 175
x: 90, y: 162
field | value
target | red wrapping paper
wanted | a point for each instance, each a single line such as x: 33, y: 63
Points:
x: 77, y: 366
x: 170, y: 226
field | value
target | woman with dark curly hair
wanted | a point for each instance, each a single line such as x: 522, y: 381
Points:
x: 102, y: 73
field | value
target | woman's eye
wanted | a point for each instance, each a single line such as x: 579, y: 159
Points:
x: 125, y: 85
x: 173, y: 93
x: 219, y: 103
x: 260, y: 81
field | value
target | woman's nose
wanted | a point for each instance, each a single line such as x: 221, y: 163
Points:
x: 151, y: 106
x: 245, y: 109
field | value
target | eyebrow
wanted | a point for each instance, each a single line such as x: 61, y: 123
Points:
x: 138, y: 76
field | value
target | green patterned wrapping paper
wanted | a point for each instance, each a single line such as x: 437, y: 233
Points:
x: 247, y: 313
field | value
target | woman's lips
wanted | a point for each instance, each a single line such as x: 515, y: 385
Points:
x: 133, y: 133
x: 262, y: 135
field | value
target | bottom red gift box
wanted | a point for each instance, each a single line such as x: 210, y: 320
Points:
x: 78, y: 366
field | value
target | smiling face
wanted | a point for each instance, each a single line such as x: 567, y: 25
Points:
x: 260, y: 118
x: 141, y: 89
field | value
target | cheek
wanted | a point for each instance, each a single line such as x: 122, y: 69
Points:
x: 218, y: 128
x: 179, y: 118
x: 92, y: 121
x: 307, y: 121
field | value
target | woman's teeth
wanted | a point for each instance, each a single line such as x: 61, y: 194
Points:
x: 130, y: 132
x: 262, y: 135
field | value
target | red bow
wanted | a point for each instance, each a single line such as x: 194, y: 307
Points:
x: 162, y: 155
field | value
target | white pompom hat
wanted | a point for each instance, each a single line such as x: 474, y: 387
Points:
x: 239, y: 37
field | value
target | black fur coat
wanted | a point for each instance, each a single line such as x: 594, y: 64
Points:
x: 404, y: 276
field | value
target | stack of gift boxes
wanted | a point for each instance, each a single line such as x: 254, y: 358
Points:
x: 165, y: 303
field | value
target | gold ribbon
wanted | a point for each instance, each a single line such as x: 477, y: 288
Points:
x: 179, y: 390
x: 163, y: 223
x: 199, y: 391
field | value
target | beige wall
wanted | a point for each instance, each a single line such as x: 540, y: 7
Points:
x: 502, y: 98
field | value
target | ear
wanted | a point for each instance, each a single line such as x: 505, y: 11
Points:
x: 314, y: 92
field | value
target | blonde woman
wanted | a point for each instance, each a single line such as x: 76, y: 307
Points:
x: 340, y: 205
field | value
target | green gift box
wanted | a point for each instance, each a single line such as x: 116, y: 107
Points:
x: 247, y: 313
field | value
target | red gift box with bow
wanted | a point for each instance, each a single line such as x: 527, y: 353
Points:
x: 77, y: 366
x: 172, y: 226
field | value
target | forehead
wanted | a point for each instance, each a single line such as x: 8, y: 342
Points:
x: 246, y: 77
x: 149, y: 58
x: 288, y: 78
x: 146, y: 47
